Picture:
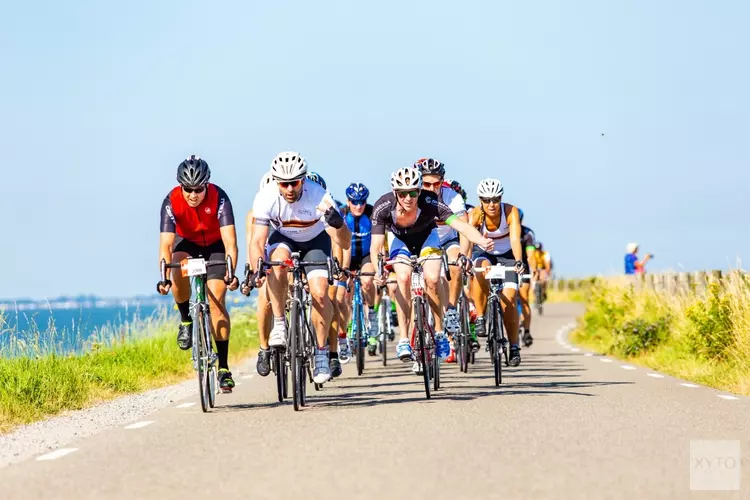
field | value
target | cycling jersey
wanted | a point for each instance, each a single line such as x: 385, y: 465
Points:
x: 500, y: 235
x: 430, y: 209
x: 542, y: 259
x: 300, y: 221
x: 454, y: 201
x: 200, y: 225
x: 361, y: 228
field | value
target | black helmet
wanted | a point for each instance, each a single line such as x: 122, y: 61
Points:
x: 193, y: 172
x: 429, y: 166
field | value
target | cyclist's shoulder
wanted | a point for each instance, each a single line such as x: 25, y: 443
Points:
x: 219, y: 191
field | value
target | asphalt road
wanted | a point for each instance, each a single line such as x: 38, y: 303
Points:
x: 565, y: 424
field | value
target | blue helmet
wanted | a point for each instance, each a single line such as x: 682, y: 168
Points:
x: 317, y: 179
x: 357, y: 192
x: 520, y: 214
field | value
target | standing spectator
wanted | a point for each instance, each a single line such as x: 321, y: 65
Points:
x: 632, y: 264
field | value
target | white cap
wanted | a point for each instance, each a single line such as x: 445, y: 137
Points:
x: 631, y: 248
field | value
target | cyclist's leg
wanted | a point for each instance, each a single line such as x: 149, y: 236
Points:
x: 432, y: 270
x: 181, y: 291
x: 524, y: 290
x: 220, y: 323
x: 279, y: 248
x: 264, y: 316
x: 510, y: 308
x: 319, y: 249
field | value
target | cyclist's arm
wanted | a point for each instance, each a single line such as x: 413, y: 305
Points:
x: 342, y: 237
x: 514, y: 226
x: 249, y: 223
x: 466, y: 229
x: 346, y: 257
x: 229, y: 237
x: 258, y: 243
x: 377, y: 243
x: 465, y: 243
x: 166, y: 241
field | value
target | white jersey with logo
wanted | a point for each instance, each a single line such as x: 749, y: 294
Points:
x: 299, y: 221
x: 457, y: 206
x: 501, y: 235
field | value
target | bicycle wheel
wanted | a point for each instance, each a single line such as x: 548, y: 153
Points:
x: 200, y: 352
x: 279, y: 369
x: 211, y: 375
x: 294, y: 359
x: 358, y: 325
x: 435, y: 367
x: 463, y: 337
x: 383, y: 331
x: 497, y: 334
x: 538, y: 297
x: 419, y: 330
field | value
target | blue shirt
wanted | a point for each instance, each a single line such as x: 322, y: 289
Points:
x: 630, y: 260
x: 361, y: 228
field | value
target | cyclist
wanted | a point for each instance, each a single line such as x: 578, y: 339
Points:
x: 357, y: 215
x: 338, y: 305
x: 263, y: 313
x: 541, y: 263
x: 433, y: 179
x: 305, y: 219
x: 409, y: 215
x: 527, y: 243
x: 197, y: 221
x: 500, y: 222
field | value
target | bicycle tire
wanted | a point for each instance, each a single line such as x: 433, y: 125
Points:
x: 294, y: 360
x: 278, y: 363
x: 497, y: 332
x: 435, y: 371
x: 463, y: 336
x: 212, y: 375
x: 383, y: 314
x: 419, y: 327
x: 358, y: 325
x: 199, y: 340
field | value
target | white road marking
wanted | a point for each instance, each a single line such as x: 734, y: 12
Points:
x: 688, y: 385
x: 574, y: 349
x: 588, y: 354
x: 57, y: 454
x: 139, y: 425
x: 185, y: 405
x: 724, y: 396
x: 605, y: 360
x: 628, y: 367
x: 246, y: 377
x: 655, y: 375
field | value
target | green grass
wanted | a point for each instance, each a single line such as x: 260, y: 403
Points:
x: 702, y: 336
x: 35, y: 387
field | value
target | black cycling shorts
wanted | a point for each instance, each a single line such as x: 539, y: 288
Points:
x: 506, y: 259
x: 317, y: 249
x: 214, y: 251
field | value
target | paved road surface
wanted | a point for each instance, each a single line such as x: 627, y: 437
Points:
x: 563, y: 425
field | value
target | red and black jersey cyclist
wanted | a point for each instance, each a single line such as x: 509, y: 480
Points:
x: 197, y: 221
x: 409, y: 215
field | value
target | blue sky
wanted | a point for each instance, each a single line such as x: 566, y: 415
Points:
x: 101, y: 101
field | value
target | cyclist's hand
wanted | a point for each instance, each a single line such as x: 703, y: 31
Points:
x: 245, y: 288
x: 260, y: 278
x: 518, y: 267
x: 487, y: 244
x: 379, y: 279
x: 468, y: 265
x: 331, y: 215
x: 163, y: 287
x: 234, y: 284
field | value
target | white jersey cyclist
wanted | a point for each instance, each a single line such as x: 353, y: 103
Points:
x: 300, y: 221
x: 448, y: 235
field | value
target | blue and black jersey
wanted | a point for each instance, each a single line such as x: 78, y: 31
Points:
x: 361, y: 228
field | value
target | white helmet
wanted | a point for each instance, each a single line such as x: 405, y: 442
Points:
x: 406, y: 178
x: 631, y: 248
x: 288, y: 166
x: 490, y: 188
x: 266, y: 180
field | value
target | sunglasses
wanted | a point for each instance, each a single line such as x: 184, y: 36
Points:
x: 410, y: 194
x: 495, y: 199
x: 358, y: 203
x: 197, y: 190
x: 286, y: 184
x: 429, y: 185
